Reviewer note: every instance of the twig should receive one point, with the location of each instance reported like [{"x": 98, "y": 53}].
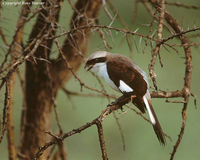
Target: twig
[
  {"x": 98, "y": 121},
  {"x": 17, "y": 38},
  {"x": 74, "y": 74},
  {"x": 99, "y": 26},
  {"x": 50, "y": 153},
  {"x": 101, "y": 84},
  {"x": 161, "y": 94},
  {"x": 188, "y": 71},
  {"x": 139, "y": 113},
  {"x": 179, "y": 34},
  {"x": 117, "y": 14},
  {"x": 31, "y": 45},
  {"x": 102, "y": 35},
  {"x": 135, "y": 13},
  {"x": 120, "y": 130},
  {"x": 167, "y": 94},
  {"x": 126, "y": 32},
  {"x": 3, "y": 37},
  {"x": 195, "y": 99},
  {"x": 18, "y": 63},
  {"x": 151, "y": 13},
  {"x": 82, "y": 94},
  {"x": 101, "y": 139},
  {"x": 5, "y": 111},
  {"x": 168, "y": 101},
  {"x": 157, "y": 48},
  {"x": 106, "y": 10},
  {"x": 73, "y": 7},
  {"x": 150, "y": 31},
  {"x": 178, "y": 4},
  {"x": 124, "y": 25}
]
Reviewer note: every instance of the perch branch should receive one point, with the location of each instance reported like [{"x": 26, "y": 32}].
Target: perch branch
[{"x": 98, "y": 122}]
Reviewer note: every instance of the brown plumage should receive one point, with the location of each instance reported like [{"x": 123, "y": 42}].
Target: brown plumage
[{"x": 121, "y": 68}]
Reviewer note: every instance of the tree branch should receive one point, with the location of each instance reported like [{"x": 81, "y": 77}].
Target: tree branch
[
  {"x": 157, "y": 48},
  {"x": 188, "y": 70},
  {"x": 97, "y": 121}
]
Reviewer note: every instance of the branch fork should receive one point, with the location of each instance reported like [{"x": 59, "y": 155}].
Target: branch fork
[{"x": 117, "y": 104}]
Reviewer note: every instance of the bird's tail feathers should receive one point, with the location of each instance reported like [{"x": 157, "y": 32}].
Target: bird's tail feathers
[{"x": 154, "y": 120}]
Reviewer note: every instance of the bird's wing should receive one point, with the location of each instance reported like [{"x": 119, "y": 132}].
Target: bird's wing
[{"x": 123, "y": 69}]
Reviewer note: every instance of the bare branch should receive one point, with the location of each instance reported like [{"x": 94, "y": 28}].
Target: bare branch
[
  {"x": 188, "y": 71},
  {"x": 120, "y": 130},
  {"x": 167, "y": 94},
  {"x": 5, "y": 111},
  {"x": 106, "y": 10},
  {"x": 98, "y": 121},
  {"x": 178, "y": 4},
  {"x": 157, "y": 49},
  {"x": 101, "y": 139}
]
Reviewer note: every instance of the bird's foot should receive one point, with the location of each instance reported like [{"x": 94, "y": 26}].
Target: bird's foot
[
  {"x": 132, "y": 97},
  {"x": 122, "y": 108},
  {"x": 111, "y": 104}
]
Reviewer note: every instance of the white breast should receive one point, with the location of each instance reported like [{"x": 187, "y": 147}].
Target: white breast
[{"x": 101, "y": 69}]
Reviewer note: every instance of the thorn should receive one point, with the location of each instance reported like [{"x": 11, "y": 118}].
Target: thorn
[
  {"x": 136, "y": 30},
  {"x": 112, "y": 20},
  {"x": 194, "y": 25},
  {"x": 140, "y": 41},
  {"x": 198, "y": 39},
  {"x": 188, "y": 26}
]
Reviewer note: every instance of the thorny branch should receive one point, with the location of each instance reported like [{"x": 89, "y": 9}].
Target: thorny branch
[
  {"x": 5, "y": 111},
  {"x": 97, "y": 121},
  {"x": 178, "y": 4},
  {"x": 18, "y": 63},
  {"x": 126, "y": 32},
  {"x": 157, "y": 48},
  {"x": 74, "y": 74},
  {"x": 188, "y": 70}
]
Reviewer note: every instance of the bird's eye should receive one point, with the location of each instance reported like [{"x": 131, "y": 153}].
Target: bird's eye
[{"x": 96, "y": 60}]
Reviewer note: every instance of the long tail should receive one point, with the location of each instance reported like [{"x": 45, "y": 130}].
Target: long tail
[{"x": 154, "y": 120}]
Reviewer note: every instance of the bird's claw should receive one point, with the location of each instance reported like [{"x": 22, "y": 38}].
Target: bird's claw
[
  {"x": 111, "y": 104},
  {"x": 122, "y": 109}
]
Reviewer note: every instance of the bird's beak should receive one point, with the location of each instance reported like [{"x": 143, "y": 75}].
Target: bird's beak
[{"x": 88, "y": 66}]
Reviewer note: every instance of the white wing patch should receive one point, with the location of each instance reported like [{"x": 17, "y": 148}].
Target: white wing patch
[
  {"x": 124, "y": 87},
  {"x": 149, "y": 110}
]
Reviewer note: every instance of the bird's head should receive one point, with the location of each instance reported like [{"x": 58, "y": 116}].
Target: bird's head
[{"x": 96, "y": 60}]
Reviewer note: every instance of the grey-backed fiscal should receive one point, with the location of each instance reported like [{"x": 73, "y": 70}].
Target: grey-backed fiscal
[{"x": 123, "y": 75}]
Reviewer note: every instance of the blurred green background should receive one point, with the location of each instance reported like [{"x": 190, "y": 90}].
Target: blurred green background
[{"x": 140, "y": 140}]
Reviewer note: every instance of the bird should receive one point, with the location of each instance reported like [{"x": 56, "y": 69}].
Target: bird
[{"x": 125, "y": 76}]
